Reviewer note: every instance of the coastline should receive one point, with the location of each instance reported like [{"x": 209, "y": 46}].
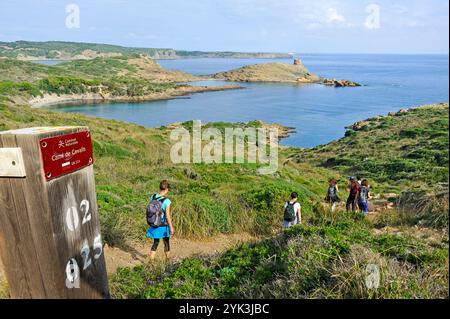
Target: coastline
[{"x": 49, "y": 100}]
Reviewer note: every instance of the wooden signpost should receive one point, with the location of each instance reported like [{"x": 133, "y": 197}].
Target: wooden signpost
[{"x": 50, "y": 240}]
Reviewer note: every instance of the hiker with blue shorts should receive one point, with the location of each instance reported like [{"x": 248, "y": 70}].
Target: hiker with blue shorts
[
  {"x": 159, "y": 220},
  {"x": 363, "y": 197}
]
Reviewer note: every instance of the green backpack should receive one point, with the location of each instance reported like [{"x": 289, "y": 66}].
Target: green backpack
[{"x": 289, "y": 212}]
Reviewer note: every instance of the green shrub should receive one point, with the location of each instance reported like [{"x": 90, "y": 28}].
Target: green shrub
[{"x": 18, "y": 88}]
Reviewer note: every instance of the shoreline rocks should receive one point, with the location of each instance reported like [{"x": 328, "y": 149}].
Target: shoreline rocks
[{"x": 340, "y": 83}]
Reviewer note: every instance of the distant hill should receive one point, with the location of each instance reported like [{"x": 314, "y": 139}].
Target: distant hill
[
  {"x": 27, "y": 50},
  {"x": 140, "y": 67}
]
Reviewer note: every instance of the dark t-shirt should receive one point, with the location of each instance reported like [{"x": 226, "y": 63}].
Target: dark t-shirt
[{"x": 354, "y": 190}]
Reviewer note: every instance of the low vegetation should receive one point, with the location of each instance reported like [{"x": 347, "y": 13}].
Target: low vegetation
[
  {"x": 72, "y": 85},
  {"x": 131, "y": 160},
  {"x": 404, "y": 150},
  {"x": 405, "y": 153},
  {"x": 102, "y": 68},
  {"x": 325, "y": 258}
]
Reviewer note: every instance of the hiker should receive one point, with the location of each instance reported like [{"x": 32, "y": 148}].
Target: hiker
[
  {"x": 358, "y": 178},
  {"x": 292, "y": 212},
  {"x": 364, "y": 196},
  {"x": 159, "y": 219},
  {"x": 353, "y": 192},
  {"x": 332, "y": 194}
]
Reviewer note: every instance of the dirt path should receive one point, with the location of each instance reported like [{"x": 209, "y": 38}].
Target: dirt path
[{"x": 180, "y": 249}]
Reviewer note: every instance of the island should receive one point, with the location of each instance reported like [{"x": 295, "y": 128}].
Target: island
[{"x": 280, "y": 72}]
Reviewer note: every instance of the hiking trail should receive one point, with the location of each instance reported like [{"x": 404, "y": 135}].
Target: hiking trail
[{"x": 180, "y": 249}]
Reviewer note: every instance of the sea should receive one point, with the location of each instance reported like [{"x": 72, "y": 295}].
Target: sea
[{"x": 319, "y": 114}]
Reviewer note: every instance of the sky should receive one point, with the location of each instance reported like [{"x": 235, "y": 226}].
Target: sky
[{"x": 301, "y": 26}]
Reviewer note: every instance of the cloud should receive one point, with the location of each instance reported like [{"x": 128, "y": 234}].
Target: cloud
[{"x": 333, "y": 16}]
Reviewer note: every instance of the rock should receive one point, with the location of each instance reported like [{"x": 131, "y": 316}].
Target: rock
[
  {"x": 361, "y": 125},
  {"x": 390, "y": 196},
  {"x": 303, "y": 80},
  {"x": 340, "y": 83},
  {"x": 298, "y": 62},
  {"x": 392, "y": 114},
  {"x": 358, "y": 126}
]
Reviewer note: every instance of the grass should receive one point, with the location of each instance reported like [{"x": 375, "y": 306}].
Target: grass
[
  {"x": 321, "y": 259},
  {"x": 4, "y": 290},
  {"x": 73, "y": 85},
  {"x": 325, "y": 258},
  {"x": 403, "y": 151},
  {"x": 209, "y": 199},
  {"x": 124, "y": 68}
]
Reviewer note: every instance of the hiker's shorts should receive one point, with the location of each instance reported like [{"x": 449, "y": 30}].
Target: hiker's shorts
[
  {"x": 364, "y": 207},
  {"x": 287, "y": 224}
]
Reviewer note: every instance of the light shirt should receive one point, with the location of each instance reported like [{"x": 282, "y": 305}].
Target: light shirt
[{"x": 297, "y": 207}]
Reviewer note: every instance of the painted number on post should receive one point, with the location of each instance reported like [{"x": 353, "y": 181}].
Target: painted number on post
[{"x": 72, "y": 219}]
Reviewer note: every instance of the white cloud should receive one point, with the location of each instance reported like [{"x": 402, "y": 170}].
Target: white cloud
[
  {"x": 322, "y": 14},
  {"x": 333, "y": 16}
]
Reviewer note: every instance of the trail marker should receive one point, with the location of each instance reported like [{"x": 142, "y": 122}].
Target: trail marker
[{"x": 50, "y": 240}]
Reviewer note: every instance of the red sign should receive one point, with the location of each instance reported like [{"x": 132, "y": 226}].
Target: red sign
[{"x": 66, "y": 153}]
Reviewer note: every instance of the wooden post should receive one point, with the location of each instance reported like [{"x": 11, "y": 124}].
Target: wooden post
[{"x": 50, "y": 241}]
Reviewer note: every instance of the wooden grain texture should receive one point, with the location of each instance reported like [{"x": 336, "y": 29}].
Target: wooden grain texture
[
  {"x": 11, "y": 162},
  {"x": 11, "y": 249},
  {"x": 35, "y": 241}
]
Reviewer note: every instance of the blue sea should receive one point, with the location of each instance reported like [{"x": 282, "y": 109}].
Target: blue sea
[{"x": 318, "y": 113}]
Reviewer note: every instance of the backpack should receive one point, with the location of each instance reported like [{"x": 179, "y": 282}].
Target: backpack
[
  {"x": 289, "y": 212},
  {"x": 155, "y": 213},
  {"x": 331, "y": 193},
  {"x": 363, "y": 194}
]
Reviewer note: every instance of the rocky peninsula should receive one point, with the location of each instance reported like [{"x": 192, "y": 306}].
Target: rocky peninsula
[{"x": 280, "y": 72}]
